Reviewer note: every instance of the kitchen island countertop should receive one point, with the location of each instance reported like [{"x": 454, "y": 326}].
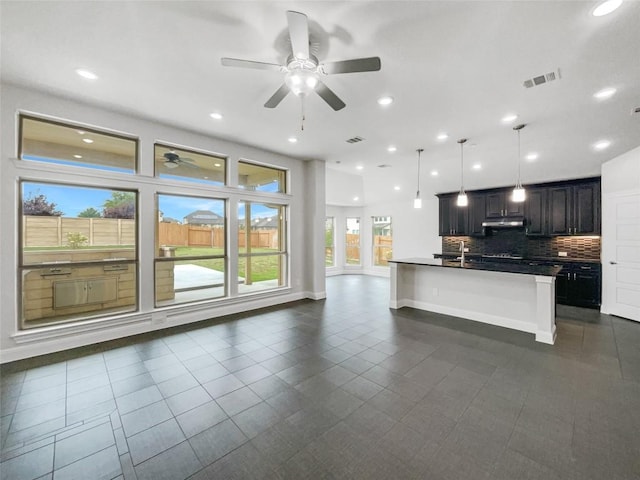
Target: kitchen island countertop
[{"x": 549, "y": 271}]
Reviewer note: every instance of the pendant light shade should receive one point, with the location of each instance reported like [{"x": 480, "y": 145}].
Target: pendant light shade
[
  {"x": 519, "y": 194},
  {"x": 417, "y": 202},
  {"x": 462, "y": 196}
]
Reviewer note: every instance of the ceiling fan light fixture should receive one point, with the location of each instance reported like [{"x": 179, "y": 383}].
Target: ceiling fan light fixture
[
  {"x": 301, "y": 81},
  {"x": 170, "y": 165}
]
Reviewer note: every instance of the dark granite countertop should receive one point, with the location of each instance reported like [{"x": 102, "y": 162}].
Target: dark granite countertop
[
  {"x": 524, "y": 259},
  {"x": 548, "y": 271}
]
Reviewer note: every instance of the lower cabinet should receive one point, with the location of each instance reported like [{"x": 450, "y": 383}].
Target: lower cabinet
[{"x": 578, "y": 284}]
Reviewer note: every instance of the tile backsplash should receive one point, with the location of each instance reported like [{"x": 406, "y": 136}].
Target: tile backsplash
[{"x": 515, "y": 242}]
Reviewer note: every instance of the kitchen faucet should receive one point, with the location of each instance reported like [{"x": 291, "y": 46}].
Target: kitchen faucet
[{"x": 462, "y": 250}]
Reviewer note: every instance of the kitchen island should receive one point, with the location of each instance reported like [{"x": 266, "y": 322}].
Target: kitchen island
[{"x": 521, "y": 297}]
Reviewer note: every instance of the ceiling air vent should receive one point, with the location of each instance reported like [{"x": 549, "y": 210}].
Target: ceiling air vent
[
  {"x": 355, "y": 140},
  {"x": 636, "y": 110},
  {"x": 540, "y": 79}
]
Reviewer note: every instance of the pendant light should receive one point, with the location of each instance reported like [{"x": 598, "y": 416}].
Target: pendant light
[
  {"x": 417, "y": 202},
  {"x": 462, "y": 196},
  {"x": 518, "y": 192}
]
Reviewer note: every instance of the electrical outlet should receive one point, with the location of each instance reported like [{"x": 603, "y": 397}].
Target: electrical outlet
[{"x": 562, "y": 254}]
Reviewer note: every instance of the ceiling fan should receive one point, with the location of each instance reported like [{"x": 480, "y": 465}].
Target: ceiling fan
[
  {"x": 173, "y": 160},
  {"x": 302, "y": 69}
]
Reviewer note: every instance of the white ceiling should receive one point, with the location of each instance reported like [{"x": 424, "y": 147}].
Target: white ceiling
[{"x": 455, "y": 67}]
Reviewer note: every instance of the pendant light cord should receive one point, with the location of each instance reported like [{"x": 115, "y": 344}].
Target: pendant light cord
[
  {"x": 519, "y": 183},
  {"x": 420, "y": 150},
  {"x": 461, "y": 142}
]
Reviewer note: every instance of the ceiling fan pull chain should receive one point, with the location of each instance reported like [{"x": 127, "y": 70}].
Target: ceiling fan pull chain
[{"x": 302, "y": 119}]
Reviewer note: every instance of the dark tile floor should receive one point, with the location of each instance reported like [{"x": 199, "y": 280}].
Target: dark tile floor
[{"x": 342, "y": 388}]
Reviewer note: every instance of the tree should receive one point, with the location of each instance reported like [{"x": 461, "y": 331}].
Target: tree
[
  {"x": 39, "y": 205},
  {"x": 120, "y": 205},
  {"x": 89, "y": 213}
]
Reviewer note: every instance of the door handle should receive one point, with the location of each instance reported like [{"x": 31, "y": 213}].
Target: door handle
[{"x": 612, "y": 262}]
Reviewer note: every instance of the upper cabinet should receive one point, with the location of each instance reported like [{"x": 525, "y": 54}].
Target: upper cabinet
[
  {"x": 575, "y": 209},
  {"x": 453, "y": 219},
  {"x": 535, "y": 212},
  {"x": 477, "y": 212},
  {"x": 499, "y": 205},
  {"x": 558, "y": 208}
]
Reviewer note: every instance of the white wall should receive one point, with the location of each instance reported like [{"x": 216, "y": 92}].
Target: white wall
[
  {"x": 620, "y": 176},
  {"x": 306, "y": 223},
  {"x": 343, "y": 187}
]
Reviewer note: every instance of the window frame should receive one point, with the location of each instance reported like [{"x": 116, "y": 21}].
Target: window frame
[
  {"x": 347, "y": 244},
  {"x": 160, "y": 259},
  {"x": 285, "y": 174},
  {"x": 75, "y": 125},
  {"x": 196, "y": 151},
  {"x": 23, "y": 268}
]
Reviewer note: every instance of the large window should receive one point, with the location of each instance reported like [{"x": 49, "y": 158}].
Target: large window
[
  {"x": 382, "y": 241},
  {"x": 190, "y": 249},
  {"x": 352, "y": 241},
  {"x": 190, "y": 166},
  {"x": 329, "y": 242},
  {"x": 260, "y": 178},
  {"x": 78, "y": 255},
  {"x": 262, "y": 256},
  {"x": 52, "y": 142}
]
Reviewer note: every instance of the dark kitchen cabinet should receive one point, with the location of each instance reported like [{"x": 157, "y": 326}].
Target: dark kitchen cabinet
[
  {"x": 477, "y": 212},
  {"x": 579, "y": 284},
  {"x": 453, "y": 219},
  {"x": 535, "y": 212},
  {"x": 499, "y": 205},
  {"x": 575, "y": 209}
]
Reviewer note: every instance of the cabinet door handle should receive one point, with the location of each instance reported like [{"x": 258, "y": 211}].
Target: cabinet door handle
[{"x": 585, "y": 268}]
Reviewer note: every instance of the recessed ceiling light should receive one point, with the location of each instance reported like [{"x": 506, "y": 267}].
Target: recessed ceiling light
[
  {"x": 605, "y": 93},
  {"x": 397, "y": 187},
  {"x": 385, "y": 100},
  {"x": 476, "y": 166},
  {"x": 87, "y": 140},
  {"x": 442, "y": 136},
  {"x": 81, "y": 132},
  {"x": 605, "y": 8},
  {"x": 602, "y": 144},
  {"x": 509, "y": 118},
  {"x": 359, "y": 167},
  {"x": 391, "y": 149},
  {"x": 532, "y": 157},
  {"x": 292, "y": 139},
  {"x": 355, "y": 199},
  {"x": 77, "y": 156},
  {"x": 217, "y": 165},
  {"x": 86, "y": 74},
  {"x": 216, "y": 116},
  {"x": 434, "y": 173}
]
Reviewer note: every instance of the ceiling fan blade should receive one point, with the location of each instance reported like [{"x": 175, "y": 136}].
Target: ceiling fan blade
[
  {"x": 277, "y": 97},
  {"x": 236, "y": 62},
  {"x": 370, "y": 64},
  {"x": 328, "y": 96},
  {"x": 299, "y": 34}
]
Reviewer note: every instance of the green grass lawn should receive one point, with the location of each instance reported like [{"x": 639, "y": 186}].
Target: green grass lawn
[{"x": 263, "y": 268}]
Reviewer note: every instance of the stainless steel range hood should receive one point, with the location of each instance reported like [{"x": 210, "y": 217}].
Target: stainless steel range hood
[{"x": 513, "y": 222}]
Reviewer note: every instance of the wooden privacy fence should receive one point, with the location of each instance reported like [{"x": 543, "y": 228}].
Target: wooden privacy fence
[
  {"x": 43, "y": 231},
  {"x": 40, "y": 231},
  {"x": 382, "y": 245}
]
